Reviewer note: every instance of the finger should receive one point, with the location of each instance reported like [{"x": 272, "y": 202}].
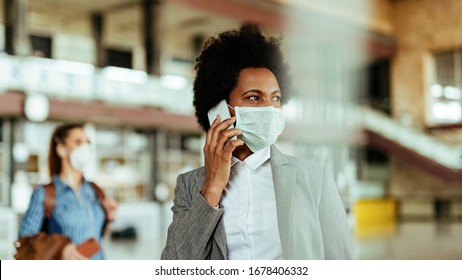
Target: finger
[
  {"x": 226, "y": 135},
  {"x": 215, "y": 130},
  {"x": 225, "y": 123},
  {"x": 231, "y": 146},
  {"x": 208, "y": 137},
  {"x": 110, "y": 203},
  {"x": 107, "y": 204},
  {"x": 77, "y": 255},
  {"x": 216, "y": 134}
]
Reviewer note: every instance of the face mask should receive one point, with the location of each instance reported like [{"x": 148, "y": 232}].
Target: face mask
[
  {"x": 260, "y": 126},
  {"x": 80, "y": 156}
]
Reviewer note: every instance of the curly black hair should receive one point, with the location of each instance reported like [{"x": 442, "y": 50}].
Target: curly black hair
[{"x": 225, "y": 56}]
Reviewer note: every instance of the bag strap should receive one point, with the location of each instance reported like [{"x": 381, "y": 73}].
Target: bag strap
[
  {"x": 48, "y": 205},
  {"x": 99, "y": 193},
  {"x": 50, "y": 201},
  {"x": 101, "y": 196}
]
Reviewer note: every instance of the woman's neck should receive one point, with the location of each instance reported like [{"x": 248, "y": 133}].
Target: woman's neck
[
  {"x": 71, "y": 176},
  {"x": 242, "y": 152}
]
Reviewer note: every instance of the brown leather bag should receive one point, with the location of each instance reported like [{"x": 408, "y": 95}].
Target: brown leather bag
[{"x": 43, "y": 246}]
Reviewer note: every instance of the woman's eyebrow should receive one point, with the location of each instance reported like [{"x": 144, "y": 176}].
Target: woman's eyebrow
[
  {"x": 252, "y": 90},
  {"x": 260, "y": 92}
]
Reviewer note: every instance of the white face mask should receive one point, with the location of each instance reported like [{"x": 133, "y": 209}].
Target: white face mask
[
  {"x": 80, "y": 156},
  {"x": 260, "y": 126}
]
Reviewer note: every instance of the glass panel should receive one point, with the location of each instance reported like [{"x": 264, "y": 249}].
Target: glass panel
[
  {"x": 446, "y": 92},
  {"x": 445, "y": 66}
]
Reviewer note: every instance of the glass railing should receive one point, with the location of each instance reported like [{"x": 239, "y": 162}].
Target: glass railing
[
  {"x": 83, "y": 81},
  {"x": 440, "y": 151}
]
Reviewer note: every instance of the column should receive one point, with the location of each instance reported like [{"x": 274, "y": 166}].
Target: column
[
  {"x": 16, "y": 36},
  {"x": 151, "y": 19},
  {"x": 97, "y": 25}
]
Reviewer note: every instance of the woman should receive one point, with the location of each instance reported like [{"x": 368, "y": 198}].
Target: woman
[
  {"x": 78, "y": 213},
  {"x": 251, "y": 201}
]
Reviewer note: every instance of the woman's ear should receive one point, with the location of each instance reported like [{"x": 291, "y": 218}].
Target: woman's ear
[{"x": 61, "y": 151}]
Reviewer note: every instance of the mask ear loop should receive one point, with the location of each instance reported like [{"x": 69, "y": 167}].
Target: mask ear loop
[{"x": 235, "y": 114}]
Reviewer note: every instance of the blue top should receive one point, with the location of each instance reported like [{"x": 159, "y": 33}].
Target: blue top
[{"x": 77, "y": 218}]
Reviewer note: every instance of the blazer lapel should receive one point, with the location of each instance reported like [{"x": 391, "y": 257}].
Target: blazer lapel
[{"x": 284, "y": 178}]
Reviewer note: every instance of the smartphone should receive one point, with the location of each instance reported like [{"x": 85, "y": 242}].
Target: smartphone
[
  {"x": 88, "y": 248},
  {"x": 222, "y": 110}
]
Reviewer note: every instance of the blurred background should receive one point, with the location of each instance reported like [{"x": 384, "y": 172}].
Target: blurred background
[{"x": 377, "y": 98}]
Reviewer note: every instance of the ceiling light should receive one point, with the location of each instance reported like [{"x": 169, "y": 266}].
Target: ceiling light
[{"x": 36, "y": 107}]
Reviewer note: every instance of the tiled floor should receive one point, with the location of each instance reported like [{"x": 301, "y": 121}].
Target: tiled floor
[
  {"x": 401, "y": 241},
  {"x": 410, "y": 240},
  {"x": 415, "y": 241},
  {"x": 150, "y": 221},
  {"x": 133, "y": 250}
]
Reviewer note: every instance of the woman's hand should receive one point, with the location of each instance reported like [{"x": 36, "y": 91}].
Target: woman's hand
[
  {"x": 70, "y": 253},
  {"x": 218, "y": 150},
  {"x": 110, "y": 205}
]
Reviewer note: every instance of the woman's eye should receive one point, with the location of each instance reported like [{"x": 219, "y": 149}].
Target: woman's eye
[
  {"x": 276, "y": 98},
  {"x": 253, "y": 98}
]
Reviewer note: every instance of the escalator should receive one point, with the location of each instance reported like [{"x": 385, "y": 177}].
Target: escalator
[
  {"x": 436, "y": 155},
  {"x": 421, "y": 180}
]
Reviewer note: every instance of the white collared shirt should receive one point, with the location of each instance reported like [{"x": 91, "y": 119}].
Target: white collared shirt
[{"x": 250, "y": 215}]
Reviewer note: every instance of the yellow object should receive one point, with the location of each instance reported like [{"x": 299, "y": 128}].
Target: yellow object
[{"x": 375, "y": 217}]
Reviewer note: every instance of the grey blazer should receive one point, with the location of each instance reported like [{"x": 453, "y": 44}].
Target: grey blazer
[{"x": 311, "y": 217}]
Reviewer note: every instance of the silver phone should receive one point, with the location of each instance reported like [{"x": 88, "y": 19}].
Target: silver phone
[{"x": 222, "y": 110}]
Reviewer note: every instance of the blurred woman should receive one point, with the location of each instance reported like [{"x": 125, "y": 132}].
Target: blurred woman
[{"x": 78, "y": 213}]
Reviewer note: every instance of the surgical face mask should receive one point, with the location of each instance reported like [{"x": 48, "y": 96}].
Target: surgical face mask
[
  {"x": 80, "y": 156},
  {"x": 260, "y": 126}
]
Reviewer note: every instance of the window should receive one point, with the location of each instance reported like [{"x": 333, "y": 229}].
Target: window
[
  {"x": 41, "y": 46},
  {"x": 118, "y": 58},
  {"x": 446, "y": 94}
]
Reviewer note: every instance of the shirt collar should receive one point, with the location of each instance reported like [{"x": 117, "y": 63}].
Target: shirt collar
[
  {"x": 255, "y": 160},
  {"x": 60, "y": 184}
]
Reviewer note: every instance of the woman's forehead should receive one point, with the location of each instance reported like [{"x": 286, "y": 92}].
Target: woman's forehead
[
  {"x": 77, "y": 133},
  {"x": 259, "y": 78}
]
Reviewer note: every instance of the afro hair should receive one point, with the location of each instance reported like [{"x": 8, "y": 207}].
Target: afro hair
[{"x": 225, "y": 56}]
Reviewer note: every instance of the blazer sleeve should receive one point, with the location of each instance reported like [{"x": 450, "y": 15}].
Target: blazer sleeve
[
  {"x": 33, "y": 218},
  {"x": 194, "y": 221},
  {"x": 334, "y": 226}
]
